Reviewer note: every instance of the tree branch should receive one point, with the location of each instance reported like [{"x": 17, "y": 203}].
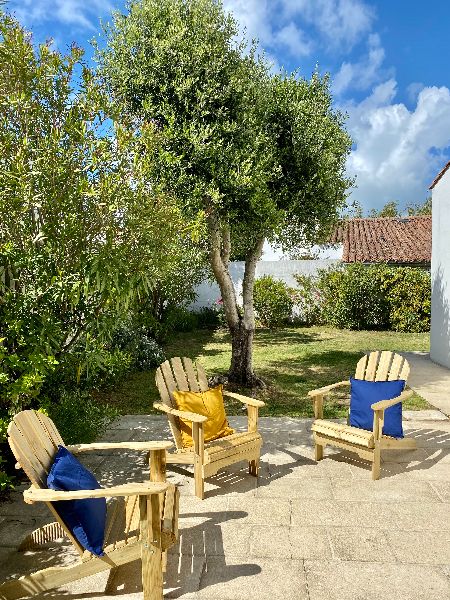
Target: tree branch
[
  {"x": 249, "y": 282},
  {"x": 220, "y": 270}
]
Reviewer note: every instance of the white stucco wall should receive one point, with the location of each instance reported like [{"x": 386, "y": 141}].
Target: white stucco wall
[
  {"x": 208, "y": 292},
  {"x": 440, "y": 273}
]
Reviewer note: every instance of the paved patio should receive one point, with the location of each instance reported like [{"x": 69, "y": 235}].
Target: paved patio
[
  {"x": 429, "y": 380},
  {"x": 304, "y": 531}
]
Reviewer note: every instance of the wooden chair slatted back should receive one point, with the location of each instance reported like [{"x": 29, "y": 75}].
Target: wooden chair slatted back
[
  {"x": 179, "y": 374},
  {"x": 382, "y": 366},
  {"x": 34, "y": 441}
]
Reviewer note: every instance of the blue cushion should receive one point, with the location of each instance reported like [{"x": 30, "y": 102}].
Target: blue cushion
[
  {"x": 364, "y": 393},
  {"x": 86, "y": 519}
]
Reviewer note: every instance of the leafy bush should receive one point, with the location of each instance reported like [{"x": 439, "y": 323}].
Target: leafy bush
[
  {"x": 273, "y": 302},
  {"x": 408, "y": 292},
  {"x": 143, "y": 350},
  {"x": 353, "y": 299},
  {"x": 211, "y": 317},
  {"x": 178, "y": 318},
  {"x": 307, "y": 300},
  {"x": 79, "y": 418},
  {"x": 369, "y": 297},
  {"x": 6, "y": 480}
]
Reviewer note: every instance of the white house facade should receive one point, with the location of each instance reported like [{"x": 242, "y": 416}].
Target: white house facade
[{"x": 440, "y": 269}]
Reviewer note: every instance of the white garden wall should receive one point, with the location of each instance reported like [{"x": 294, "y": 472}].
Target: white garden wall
[
  {"x": 208, "y": 293},
  {"x": 440, "y": 273}
]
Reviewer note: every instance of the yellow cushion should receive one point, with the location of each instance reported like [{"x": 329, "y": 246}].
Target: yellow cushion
[{"x": 208, "y": 404}]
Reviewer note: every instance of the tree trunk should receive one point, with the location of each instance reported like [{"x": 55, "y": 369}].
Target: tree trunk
[{"x": 240, "y": 323}]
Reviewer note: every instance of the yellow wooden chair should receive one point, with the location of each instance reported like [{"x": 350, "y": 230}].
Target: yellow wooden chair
[
  {"x": 207, "y": 458},
  {"x": 142, "y": 523},
  {"x": 376, "y": 366}
]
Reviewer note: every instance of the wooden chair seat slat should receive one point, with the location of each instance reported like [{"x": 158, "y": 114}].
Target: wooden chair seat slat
[{"x": 344, "y": 432}]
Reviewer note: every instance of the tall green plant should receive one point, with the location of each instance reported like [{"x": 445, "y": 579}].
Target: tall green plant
[
  {"x": 255, "y": 155},
  {"x": 82, "y": 232}
]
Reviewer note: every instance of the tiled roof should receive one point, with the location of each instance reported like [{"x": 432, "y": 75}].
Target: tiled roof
[
  {"x": 386, "y": 239},
  {"x": 439, "y": 175}
]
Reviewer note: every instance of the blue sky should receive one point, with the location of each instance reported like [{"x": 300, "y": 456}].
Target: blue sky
[{"x": 387, "y": 61}]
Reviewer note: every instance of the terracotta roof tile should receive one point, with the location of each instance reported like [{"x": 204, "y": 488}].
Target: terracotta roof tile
[{"x": 386, "y": 239}]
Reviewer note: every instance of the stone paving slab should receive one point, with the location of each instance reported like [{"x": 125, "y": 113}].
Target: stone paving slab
[
  {"x": 303, "y": 531},
  {"x": 429, "y": 380}
]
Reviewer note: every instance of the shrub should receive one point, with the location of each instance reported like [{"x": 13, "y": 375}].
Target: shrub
[
  {"x": 211, "y": 317},
  {"x": 143, "y": 350},
  {"x": 307, "y": 300},
  {"x": 6, "y": 480},
  {"x": 352, "y": 298},
  {"x": 178, "y": 318},
  {"x": 369, "y": 297},
  {"x": 79, "y": 418},
  {"x": 273, "y": 302},
  {"x": 89, "y": 365},
  {"x": 408, "y": 291}
]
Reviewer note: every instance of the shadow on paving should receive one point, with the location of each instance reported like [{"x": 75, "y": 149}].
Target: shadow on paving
[{"x": 287, "y": 441}]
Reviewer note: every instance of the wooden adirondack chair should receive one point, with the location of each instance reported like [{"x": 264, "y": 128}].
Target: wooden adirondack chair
[
  {"x": 207, "y": 458},
  {"x": 376, "y": 366},
  {"x": 142, "y": 523}
]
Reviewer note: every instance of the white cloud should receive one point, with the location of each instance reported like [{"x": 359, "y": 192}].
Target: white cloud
[
  {"x": 398, "y": 151},
  {"x": 294, "y": 39},
  {"x": 278, "y": 23},
  {"x": 342, "y": 22},
  {"x": 364, "y": 73},
  {"x": 79, "y": 13}
]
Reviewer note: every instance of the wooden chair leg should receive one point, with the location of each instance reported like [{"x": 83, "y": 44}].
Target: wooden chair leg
[
  {"x": 199, "y": 452},
  {"x": 318, "y": 452},
  {"x": 253, "y": 467},
  {"x": 376, "y": 465},
  {"x": 199, "y": 481},
  {"x": 150, "y": 521}
]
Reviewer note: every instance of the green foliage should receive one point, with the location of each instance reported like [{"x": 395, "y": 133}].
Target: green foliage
[
  {"x": 211, "y": 317},
  {"x": 178, "y": 318},
  {"x": 6, "y": 481},
  {"x": 143, "y": 350},
  {"x": 420, "y": 209},
  {"x": 80, "y": 419},
  {"x": 84, "y": 236},
  {"x": 273, "y": 302},
  {"x": 351, "y": 298},
  {"x": 307, "y": 300},
  {"x": 247, "y": 154},
  {"x": 408, "y": 293},
  {"x": 390, "y": 209},
  {"x": 371, "y": 297}
]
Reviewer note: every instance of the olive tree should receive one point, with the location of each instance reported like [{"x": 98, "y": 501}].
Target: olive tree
[{"x": 252, "y": 155}]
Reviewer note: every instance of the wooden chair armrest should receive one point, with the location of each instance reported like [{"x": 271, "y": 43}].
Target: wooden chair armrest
[
  {"x": 327, "y": 388},
  {"x": 383, "y": 404},
  {"x": 245, "y": 399},
  {"x": 189, "y": 416},
  {"x": 144, "y": 446},
  {"x": 34, "y": 494}
]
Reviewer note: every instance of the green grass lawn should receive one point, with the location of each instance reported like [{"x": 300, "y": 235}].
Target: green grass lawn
[{"x": 291, "y": 361}]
